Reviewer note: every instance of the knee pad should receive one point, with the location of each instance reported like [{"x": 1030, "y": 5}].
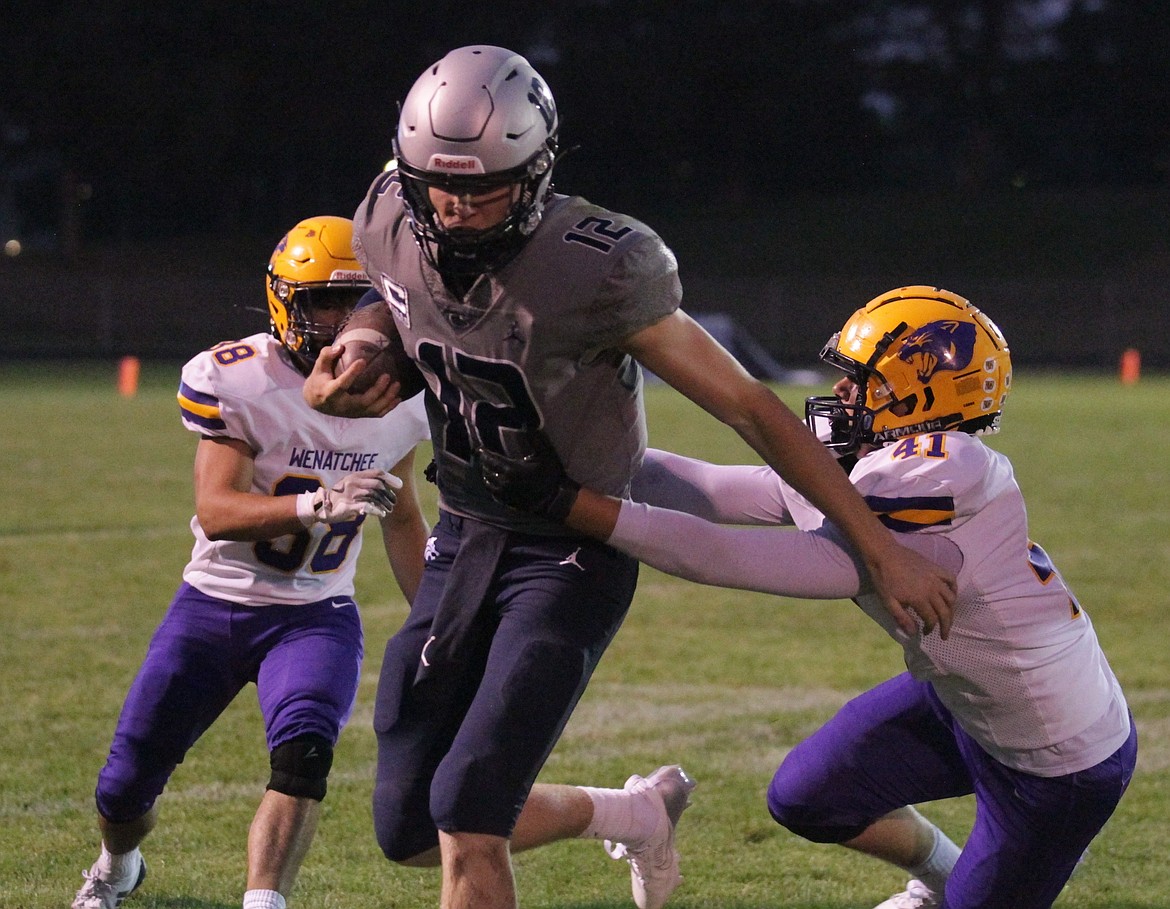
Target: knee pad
[
  {"x": 402, "y": 820},
  {"x": 301, "y": 766}
]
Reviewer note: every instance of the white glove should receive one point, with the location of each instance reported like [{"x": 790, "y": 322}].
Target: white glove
[{"x": 364, "y": 492}]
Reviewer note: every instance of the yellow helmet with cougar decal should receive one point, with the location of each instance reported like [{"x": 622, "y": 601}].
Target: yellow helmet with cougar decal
[
  {"x": 924, "y": 359},
  {"x": 313, "y": 269}
]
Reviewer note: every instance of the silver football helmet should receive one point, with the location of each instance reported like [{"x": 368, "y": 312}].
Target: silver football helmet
[{"x": 478, "y": 119}]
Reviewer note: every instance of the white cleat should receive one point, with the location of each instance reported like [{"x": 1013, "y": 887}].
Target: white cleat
[
  {"x": 653, "y": 862},
  {"x": 916, "y": 896},
  {"x": 99, "y": 894}
]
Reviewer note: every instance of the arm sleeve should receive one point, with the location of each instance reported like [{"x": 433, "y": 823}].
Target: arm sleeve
[
  {"x": 807, "y": 564},
  {"x": 725, "y": 494}
]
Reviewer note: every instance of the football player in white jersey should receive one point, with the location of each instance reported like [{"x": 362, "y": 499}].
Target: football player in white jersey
[
  {"x": 281, "y": 493},
  {"x": 1018, "y": 705},
  {"x": 525, "y": 310}
]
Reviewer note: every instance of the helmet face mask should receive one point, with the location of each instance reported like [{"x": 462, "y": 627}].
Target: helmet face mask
[
  {"x": 478, "y": 120},
  {"x": 923, "y": 360},
  {"x": 313, "y": 283},
  {"x": 848, "y": 419}
]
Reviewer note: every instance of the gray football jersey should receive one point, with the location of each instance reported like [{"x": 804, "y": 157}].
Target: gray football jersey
[{"x": 532, "y": 346}]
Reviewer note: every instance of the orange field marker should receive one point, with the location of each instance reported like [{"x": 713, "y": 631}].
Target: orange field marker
[
  {"x": 1131, "y": 366},
  {"x": 128, "y": 368}
]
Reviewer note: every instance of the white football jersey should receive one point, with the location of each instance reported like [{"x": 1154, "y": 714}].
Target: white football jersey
[
  {"x": 248, "y": 390},
  {"x": 1021, "y": 670}
]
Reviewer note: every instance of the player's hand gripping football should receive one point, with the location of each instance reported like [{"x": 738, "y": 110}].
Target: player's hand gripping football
[
  {"x": 533, "y": 480},
  {"x": 329, "y": 394},
  {"x": 364, "y": 492}
]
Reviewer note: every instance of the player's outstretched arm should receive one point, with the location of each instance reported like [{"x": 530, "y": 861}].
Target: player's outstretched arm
[
  {"x": 810, "y": 564},
  {"x": 681, "y": 352},
  {"x": 329, "y": 394}
]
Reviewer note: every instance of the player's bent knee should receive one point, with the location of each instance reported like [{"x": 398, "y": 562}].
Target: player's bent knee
[
  {"x": 430, "y": 858},
  {"x": 818, "y": 834},
  {"x": 123, "y": 811},
  {"x": 413, "y": 843},
  {"x": 811, "y": 822},
  {"x": 300, "y": 767},
  {"x": 408, "y": 849},
  {"x": 124, "y": 798},
  {"x": 402, "y": 824}
]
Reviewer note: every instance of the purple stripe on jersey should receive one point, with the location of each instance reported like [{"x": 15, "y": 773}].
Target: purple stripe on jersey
[
  {"x": 205, "y": 422},
  {"x": 197, "y": 397},
  {"x": 199, "y": 401}
]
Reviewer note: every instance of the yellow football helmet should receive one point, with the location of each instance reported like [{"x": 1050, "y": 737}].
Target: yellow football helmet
[
  {"x": 313, "y": 270},
  {"x": 924, "y": 360}
]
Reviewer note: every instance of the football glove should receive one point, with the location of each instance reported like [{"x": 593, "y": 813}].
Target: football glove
[
  {"x": 364, "y": 492},
  {"x": 534, "y": 482}
]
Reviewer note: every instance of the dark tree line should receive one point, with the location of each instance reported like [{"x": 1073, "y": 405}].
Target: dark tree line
[{"x": 168, "y": 119}]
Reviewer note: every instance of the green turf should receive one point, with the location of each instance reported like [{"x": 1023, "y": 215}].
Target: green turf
[{"x": 93, "y": 535}]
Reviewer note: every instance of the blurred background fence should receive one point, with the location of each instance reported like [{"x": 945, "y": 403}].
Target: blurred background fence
[{"x": 1073, "y": 279}]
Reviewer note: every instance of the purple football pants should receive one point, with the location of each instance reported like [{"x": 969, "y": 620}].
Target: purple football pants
[
  {"x": 460, "y": 752},
  {"x": 304, "y": 660},
  {"x": 897, "y": 745}
]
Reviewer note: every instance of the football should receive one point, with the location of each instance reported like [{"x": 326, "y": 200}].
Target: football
[{"x": 370, "y": 334}]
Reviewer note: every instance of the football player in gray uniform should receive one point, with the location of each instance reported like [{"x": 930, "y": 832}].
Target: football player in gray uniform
[{"x": 530, "y": 310}]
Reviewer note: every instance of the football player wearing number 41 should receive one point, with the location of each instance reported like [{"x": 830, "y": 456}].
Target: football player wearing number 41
[
  {"x": 1018, "y": 706},
  {"x": 527, "y": 310},
  {"x": 281, "y": 494}
]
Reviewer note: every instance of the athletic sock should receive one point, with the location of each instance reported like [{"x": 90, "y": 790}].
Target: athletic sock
[
  {"x": 937, "y": 867},
  {"x": 120, "y": 871},
  {"x": 620, "y": 815},
  {"x": 263, "y": 899}
]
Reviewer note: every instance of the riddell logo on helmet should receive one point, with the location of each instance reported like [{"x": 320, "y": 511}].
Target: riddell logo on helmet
[{"x": 456, "y": 164}]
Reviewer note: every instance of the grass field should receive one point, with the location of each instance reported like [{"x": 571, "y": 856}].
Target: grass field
[{"x": 93, "y": 536}]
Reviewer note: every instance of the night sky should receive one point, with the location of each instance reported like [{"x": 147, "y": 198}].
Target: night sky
[{"x": 168, "y": 119}]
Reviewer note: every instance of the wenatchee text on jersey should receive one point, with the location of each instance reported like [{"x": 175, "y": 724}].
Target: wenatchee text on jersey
[{"x": 346, "y": 461}]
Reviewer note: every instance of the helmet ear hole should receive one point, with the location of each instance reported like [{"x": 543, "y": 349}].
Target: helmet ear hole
[{"x": 904, "y": 407}]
